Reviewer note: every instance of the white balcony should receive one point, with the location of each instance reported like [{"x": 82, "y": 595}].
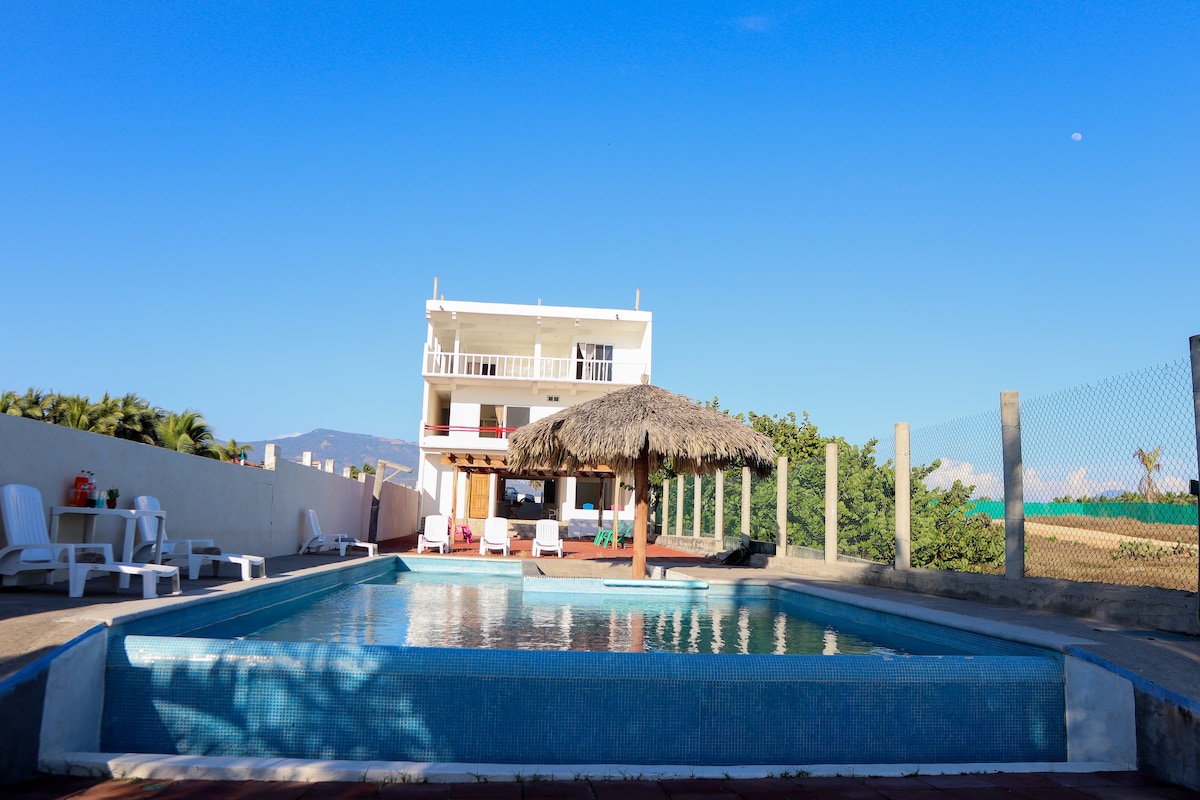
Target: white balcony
[{"x": 530, "y": 368}]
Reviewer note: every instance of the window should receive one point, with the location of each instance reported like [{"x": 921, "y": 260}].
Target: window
[
  {"x": 489, "y": 422},
  {"x": 516, "y": 416},
  {"x": 592, "y": 491},
  {"x": 593, "y": 362}
]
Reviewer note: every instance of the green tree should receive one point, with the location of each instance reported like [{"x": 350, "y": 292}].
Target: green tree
[
  {"x": 34, "y": 404},
  {"x": 75, "y": 411},
  {"x": 233, "y": 450},
  {"x": 367, "y": 469},
  {"x": 943, "y": 535},
  {"x": 187, "y": 432},
  {"x": 137, "y": 420}
]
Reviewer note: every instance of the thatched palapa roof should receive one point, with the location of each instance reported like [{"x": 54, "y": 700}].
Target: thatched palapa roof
[{"x": 641, "y": 421}]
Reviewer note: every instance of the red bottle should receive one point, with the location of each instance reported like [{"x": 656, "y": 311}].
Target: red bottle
[{"x": 80, "y": 492}]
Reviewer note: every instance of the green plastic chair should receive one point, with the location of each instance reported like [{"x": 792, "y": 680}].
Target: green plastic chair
[{"x": 604, "y": 536}]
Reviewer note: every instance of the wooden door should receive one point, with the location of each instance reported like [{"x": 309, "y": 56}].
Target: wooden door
[{"x": 480, "y": 485}]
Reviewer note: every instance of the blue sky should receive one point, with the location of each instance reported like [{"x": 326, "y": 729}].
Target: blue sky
[{"x": 873, "y": 212}]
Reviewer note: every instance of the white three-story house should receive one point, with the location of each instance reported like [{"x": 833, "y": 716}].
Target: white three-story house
[{"x": 490, "y": 368}]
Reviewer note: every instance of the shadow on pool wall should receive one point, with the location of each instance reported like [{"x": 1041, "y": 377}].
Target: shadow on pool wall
[{"x": 319, "y": 701}]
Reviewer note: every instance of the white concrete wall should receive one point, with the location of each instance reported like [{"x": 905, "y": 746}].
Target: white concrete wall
[{"x": 243, "y": 509}]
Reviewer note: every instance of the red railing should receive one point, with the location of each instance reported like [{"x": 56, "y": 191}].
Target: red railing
[{"x": 446, "y": 430}]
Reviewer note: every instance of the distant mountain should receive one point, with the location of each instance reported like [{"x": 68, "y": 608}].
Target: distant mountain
[{"x": 346, "y": 449}]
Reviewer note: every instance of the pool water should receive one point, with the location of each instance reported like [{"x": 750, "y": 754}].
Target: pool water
[{"x": 471, "y": 611}]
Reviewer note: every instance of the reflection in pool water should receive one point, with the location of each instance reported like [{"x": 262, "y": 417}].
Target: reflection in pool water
[{"x": 464, "y": 611}]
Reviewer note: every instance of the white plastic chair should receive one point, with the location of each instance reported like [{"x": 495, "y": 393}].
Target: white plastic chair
[
  {"x": 318, "y": 541},
  {"x": 194, "y": 552},
  {"x": 495, "y": 535},
  {"x": 546, "y": 538},
  {"x": 435, "y": 535},
  {"x": 30, "y": 550}
]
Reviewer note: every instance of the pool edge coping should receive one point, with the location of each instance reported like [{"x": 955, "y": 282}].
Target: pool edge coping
[{"x": 149, "y": 766}]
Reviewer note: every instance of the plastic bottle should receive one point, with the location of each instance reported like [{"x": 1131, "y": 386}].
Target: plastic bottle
[{"x": 79, "y": 492}]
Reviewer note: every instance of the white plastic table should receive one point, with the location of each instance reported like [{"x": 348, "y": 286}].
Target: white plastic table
[{"x": 130, "y": 515}]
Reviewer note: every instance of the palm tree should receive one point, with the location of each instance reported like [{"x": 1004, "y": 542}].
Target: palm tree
[
  {"x": 35, "y": 404},
  {"x": 1149, "y": 462},
  {"x": 187, "y": 433},
  {"x": 233, "y": 451},
  {"x": 137, "y": 420},
  {"x": 75, "y": 411},
  {"x": 367, "y": 468}
]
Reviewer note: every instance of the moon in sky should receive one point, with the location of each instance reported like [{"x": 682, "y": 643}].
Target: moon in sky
[{"x": 1077, "y": 136}]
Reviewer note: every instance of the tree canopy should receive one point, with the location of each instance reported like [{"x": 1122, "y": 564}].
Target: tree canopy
[
  {"x": 942, "y": 535},
  {"x": 129, "y": 417}
]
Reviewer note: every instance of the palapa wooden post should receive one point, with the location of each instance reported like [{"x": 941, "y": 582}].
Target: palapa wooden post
[
  {"x": 641, "y": 481},
  {"x": 453, "y": 504}
]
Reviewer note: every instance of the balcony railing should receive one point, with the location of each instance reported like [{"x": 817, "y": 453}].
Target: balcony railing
[
  {"x": 484, "y": 432},
  {"x": 531, "y": 368}
]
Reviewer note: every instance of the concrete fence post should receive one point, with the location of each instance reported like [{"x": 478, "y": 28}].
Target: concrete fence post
[
  {"x": 666, "y": 507},
  {"x": 1194, "y": 346},
  {"x": 679, "y": 506},
  {"x": 781, "y": 520},
  {"x": 831, "y": 502},
  {"x": 719, "y": 509},
  {"x": 903, "y": 498},
  {"x": 746, "y": 502},
  {"x": 1014, "y": 486}
]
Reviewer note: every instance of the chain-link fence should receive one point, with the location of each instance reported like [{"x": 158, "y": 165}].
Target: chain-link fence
[{"x": 1106, "y": 469}]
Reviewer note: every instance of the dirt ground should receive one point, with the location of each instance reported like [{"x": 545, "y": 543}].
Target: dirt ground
[{"x": 1162, "y": 566}]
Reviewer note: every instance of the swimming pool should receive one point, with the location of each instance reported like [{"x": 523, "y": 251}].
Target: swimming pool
[
  {"x": 503, "y": 612},
  {"x": 167, "y": 693}
]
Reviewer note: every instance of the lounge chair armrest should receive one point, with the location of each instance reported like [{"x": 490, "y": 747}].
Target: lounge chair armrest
[{"x": 60, "y": 549}]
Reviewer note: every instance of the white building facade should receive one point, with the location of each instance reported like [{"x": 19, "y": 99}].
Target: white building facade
[{"x": 490, "y": 368}]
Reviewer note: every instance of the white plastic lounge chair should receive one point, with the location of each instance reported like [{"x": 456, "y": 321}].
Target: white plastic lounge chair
[
  {"x": 546, "y": 538},
  {"x": 30, "y": 550},
  {"x": 495, "y": 535},
  {"x": 194, "y": 552},
  {"x": 318, "y": 541},
  {"x": 435, "y": 535}
]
